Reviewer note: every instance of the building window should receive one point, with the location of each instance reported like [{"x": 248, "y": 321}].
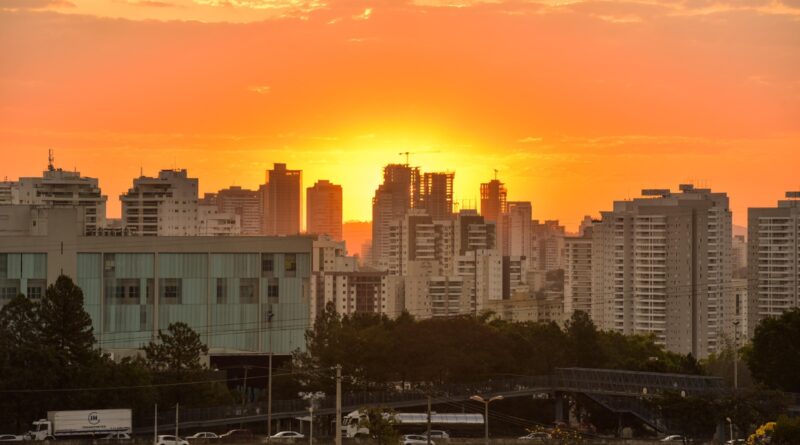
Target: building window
[
  {"x": 222, "y": 290},
  {"x": 34, "y": 292},
  {"x": 3, "y": 266},
  {"x": 290, "y": 265},
  {"x": 267, "y": 265},
  {"x": 248, "y": 290},
  {"x": 8, "y": 289},
  {"x": 171, "y": 290},
  {"x": 272, "y": 288}
]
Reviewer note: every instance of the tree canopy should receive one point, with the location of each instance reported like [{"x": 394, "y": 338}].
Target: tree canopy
[{"x": 774, "y": 355}]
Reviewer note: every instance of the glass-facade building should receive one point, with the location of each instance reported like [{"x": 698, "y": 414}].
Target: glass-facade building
[{"x": 241, "y": 294}]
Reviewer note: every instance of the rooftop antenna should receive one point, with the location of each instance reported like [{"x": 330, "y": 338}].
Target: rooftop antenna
[
  {"x": 495, "y": 174},
  {"x": 50, "y": 160}
]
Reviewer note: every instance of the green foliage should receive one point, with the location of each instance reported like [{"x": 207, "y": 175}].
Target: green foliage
[
  {"x": 66, "y": 326},
  {"x": 380, "y": 353},
  {"x": 180, "y": 349},
  {"x": 787, "y": 431},
  {"x": 774, "y": 358},
  {"x": 381, "y": 424},
  {"x": 48, "y": 346},
  {"x": 692, "y": 416}
]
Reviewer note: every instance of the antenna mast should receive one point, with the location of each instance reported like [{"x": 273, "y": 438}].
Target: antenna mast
[{"x": 50, "y": 160}]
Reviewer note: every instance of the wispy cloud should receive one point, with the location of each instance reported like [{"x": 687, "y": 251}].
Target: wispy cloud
[
  {"x": 530, "y": 140},
  {"x": 35, "y": 4},
  {"x": 364, "y": 15},
  {"x": 260, "y": 89}
]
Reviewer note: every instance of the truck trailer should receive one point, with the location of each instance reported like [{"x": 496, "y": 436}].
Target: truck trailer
[{"x": 64, "y": 424}]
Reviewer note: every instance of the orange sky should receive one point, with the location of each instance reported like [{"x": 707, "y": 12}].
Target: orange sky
[{"x": 576, "y": 103}]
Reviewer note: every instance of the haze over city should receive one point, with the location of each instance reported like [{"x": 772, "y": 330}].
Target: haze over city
[
  {"x": 406, "y": 222},
  {"x": 575, "y": 103}
]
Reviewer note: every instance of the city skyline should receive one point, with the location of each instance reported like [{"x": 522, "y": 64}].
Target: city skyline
[
  {"x": 113, "y": 206},
  {"x": 575, "y": 103}
]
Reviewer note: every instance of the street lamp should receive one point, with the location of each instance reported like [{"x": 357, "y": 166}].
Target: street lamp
[
  {"x": 730, "y": 424},
  {"x": 486, "y": 403}
]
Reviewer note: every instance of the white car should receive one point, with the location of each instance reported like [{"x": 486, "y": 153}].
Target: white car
[
  {"x": 117, "y": 436},
  {"x": 171, "y": 440},
  {"x": 673, "y": 438},
  {"x": 10, "y": 438},
  {"x": 437, "y": 434},
  {"x": 287, "y": 435},
  {"x": 536, "y": 436},
  {"x": 415, "y": 439},
  {"x": 203, "y": 435}
]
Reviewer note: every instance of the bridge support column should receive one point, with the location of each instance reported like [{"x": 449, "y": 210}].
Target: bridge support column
[{"x": 559, "y": 398}]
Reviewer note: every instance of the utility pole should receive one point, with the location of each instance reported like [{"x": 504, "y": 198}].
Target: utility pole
[
  {"x": 429, "y": 419},
  {"x": 311, "y": 423},
  {"x": 155, "y": 425},
  {"x": 736, "y": 354},
  {"x": 269, "y": 378},
  {"x": 244, "y": 389},
  {"x": 177, "y": 412},
  {"x": 338, "y": 405}
]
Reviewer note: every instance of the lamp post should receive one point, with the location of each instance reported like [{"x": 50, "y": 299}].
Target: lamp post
[
  {"x": 269, "y": 377},
  {"x": 486, "y": 403},
  {"x": 730, "y": 425}
]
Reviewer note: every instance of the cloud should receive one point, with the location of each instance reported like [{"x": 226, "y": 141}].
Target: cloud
[
  {"x": 35, "y": 4},
  {"x": 530, "y": 140},
  {"x": 152, "y": 4},
  {"x": 364, "y": 15},
  {"x": 260, "y": 89},
  {"x": 288, "y": 5}
]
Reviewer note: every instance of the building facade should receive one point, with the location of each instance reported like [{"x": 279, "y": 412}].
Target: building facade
[
  {"x": 283, "y": 201},
  {"x": 661, "y": 265},
  {"x": 773, "y": 259},
  {"x": 324, "y": 209},
  {"x": 243, "y": 295},
  {"x": 578, "y": 273}
]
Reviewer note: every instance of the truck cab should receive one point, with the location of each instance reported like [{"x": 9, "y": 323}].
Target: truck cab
[{"x": 42, "y": 430}]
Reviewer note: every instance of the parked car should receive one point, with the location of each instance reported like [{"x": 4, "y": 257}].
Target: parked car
[
  {"x": 674, "y": 438},
  {"x": 203, "y": 435},
  {"x": 287, "y": 435},
  {"x": 736, "y": 442},
  {"x": 171, "y": 440},
  {"x": 538, "y": 436},
  {"x": 10, "y": 438},
  {"x": 436, "y": 434},
  {"x": 117, "y": 436},
  {"x": 415, "y": 439},
  {"x": 236, "y": 436}
]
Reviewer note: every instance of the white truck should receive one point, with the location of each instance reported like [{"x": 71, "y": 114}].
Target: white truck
[
  {"x": 64, "y": 424},
  {"x": 352, "y": 425}
]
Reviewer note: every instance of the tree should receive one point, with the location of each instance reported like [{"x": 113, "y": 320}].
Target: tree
[
  {"x": 787, "y": 431},
  {"x": 693, "y": 416},
  {"x": 178, "y": 350},
  {"x": 583, "y": 340},
  {"x": 774, "y": 356},
  {"x": 380, "y": 422},
  {"x": 65, "y": 324}
]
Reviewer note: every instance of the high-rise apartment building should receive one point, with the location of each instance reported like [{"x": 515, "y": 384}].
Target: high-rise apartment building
[
  {"x": 547, "y": 245},
  {"x": 739, "y": 256},
  {"x": 516, "y": 226},
  {"x": 169, "y": 205},
  {"x": 283, "y": 195},
  {"x": 59, "y": 188},
  {"x": 661, "y": 265},
  {"x": 773, "y": 260},
  {"x": 493, "y": 200},
  {"x": 399, "y": 192},
  {"x": 437, "y": 195},
  {"x": 166, "y": 205},
  {"x": 5, "y": 192},
  {"x": 324, "y": 209},
  {"x": 578, "y": 273},
  {"x": 244, "y": 203}
]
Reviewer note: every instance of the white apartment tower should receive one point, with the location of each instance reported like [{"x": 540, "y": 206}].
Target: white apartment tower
[
  {"x": 773, "y": 260},
  {"x": 661, "y": 265},
  {"x": 516, "y": 226},
  {"x": 578, "y": 273},
  {"x": 168, "y": 205},
  {"x": 59, "y": 188}
]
